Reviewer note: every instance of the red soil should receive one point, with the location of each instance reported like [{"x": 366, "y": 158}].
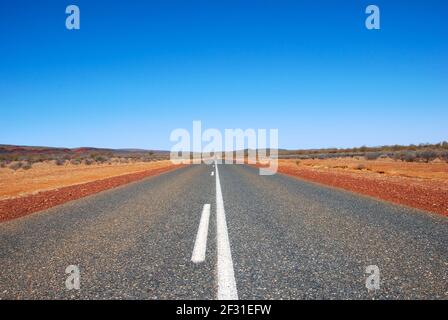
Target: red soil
[
  {"x": 428, "y": 195},
  {"x": 18, "y": 207}
]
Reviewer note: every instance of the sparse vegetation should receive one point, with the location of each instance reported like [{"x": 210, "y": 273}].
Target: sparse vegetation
[
  {"x": 26, "y": 165},
  {"x": 75, "y": 162},
  {"x": 88, "y": 162},
  {"x": 16, "y": 165},
  {"x": 46, "y": 176},
  {"x": 409, "y": 156},
  {"x": 372, "y": 155},
  {"x": 412, "y": 153},
  {"x": 444, "y": 156},
  {"x": 59, "y": 162},
  {"x": 60, "y": 156},
  {"x": 427, "y": 155},
  {"x": 101, "y": 159}
]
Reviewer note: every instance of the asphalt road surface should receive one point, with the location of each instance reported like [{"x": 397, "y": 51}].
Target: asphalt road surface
[{"x": 203, "y": 233}]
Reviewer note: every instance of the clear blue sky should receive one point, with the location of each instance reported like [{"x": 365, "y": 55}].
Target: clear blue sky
[{"x": 138, "y": 69}]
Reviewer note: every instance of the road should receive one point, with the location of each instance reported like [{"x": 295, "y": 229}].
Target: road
[{"x": 266, "y": 237}]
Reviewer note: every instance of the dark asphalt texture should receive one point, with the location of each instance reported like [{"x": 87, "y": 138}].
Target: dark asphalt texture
[{"x": 290, "y": 239}]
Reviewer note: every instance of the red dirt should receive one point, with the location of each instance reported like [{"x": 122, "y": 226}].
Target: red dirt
[
  {"x": 429, "y": 196},
  {"x": 18, "y": 207}
]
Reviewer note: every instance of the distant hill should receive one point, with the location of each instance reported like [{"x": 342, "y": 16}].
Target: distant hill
[{"x": 11, "y": 152}]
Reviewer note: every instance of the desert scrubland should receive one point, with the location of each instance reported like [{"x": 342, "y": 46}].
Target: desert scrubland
[
  {"x": 37, "y": 178},
  {"x": 48, "y": 176},
  {"x": 422, "y": 185},
  {"x": 46, "y": 184}
]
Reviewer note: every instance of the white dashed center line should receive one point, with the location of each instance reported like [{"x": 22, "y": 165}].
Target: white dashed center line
[
  {"x": 226, "y": 278},
  {"x": 200, "y": 245}
]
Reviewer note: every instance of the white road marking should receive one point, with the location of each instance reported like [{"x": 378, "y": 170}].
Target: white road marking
[
  {"x": 226, "y": 277},
  {"x": 213, "y": 173},
  {"x": 200, "y": 245}
]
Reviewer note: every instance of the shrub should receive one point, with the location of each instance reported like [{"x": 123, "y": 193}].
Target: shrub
[
  {"x": 101, "y": 159},
  {"x": 75, "y": 162},
  {"x": 88, "y": 162},
  {"x": 396, "y": 156},
  {"x": 427, "y": 155},
  {"x": 59, "y": 162},
  {"x": 15, "y": 165},
  {"x": 444, "y": 156},
  {"x": 372, "y": 155},
  {"x": 409, "y": 156},
  {"x": 27, "y": 165}
]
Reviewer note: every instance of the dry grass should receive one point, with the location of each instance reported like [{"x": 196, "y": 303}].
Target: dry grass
[
  {"x": 49, "y": 176},
  {"x": 435, "y": 170},
  {"x": 418, "y": 185}
]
